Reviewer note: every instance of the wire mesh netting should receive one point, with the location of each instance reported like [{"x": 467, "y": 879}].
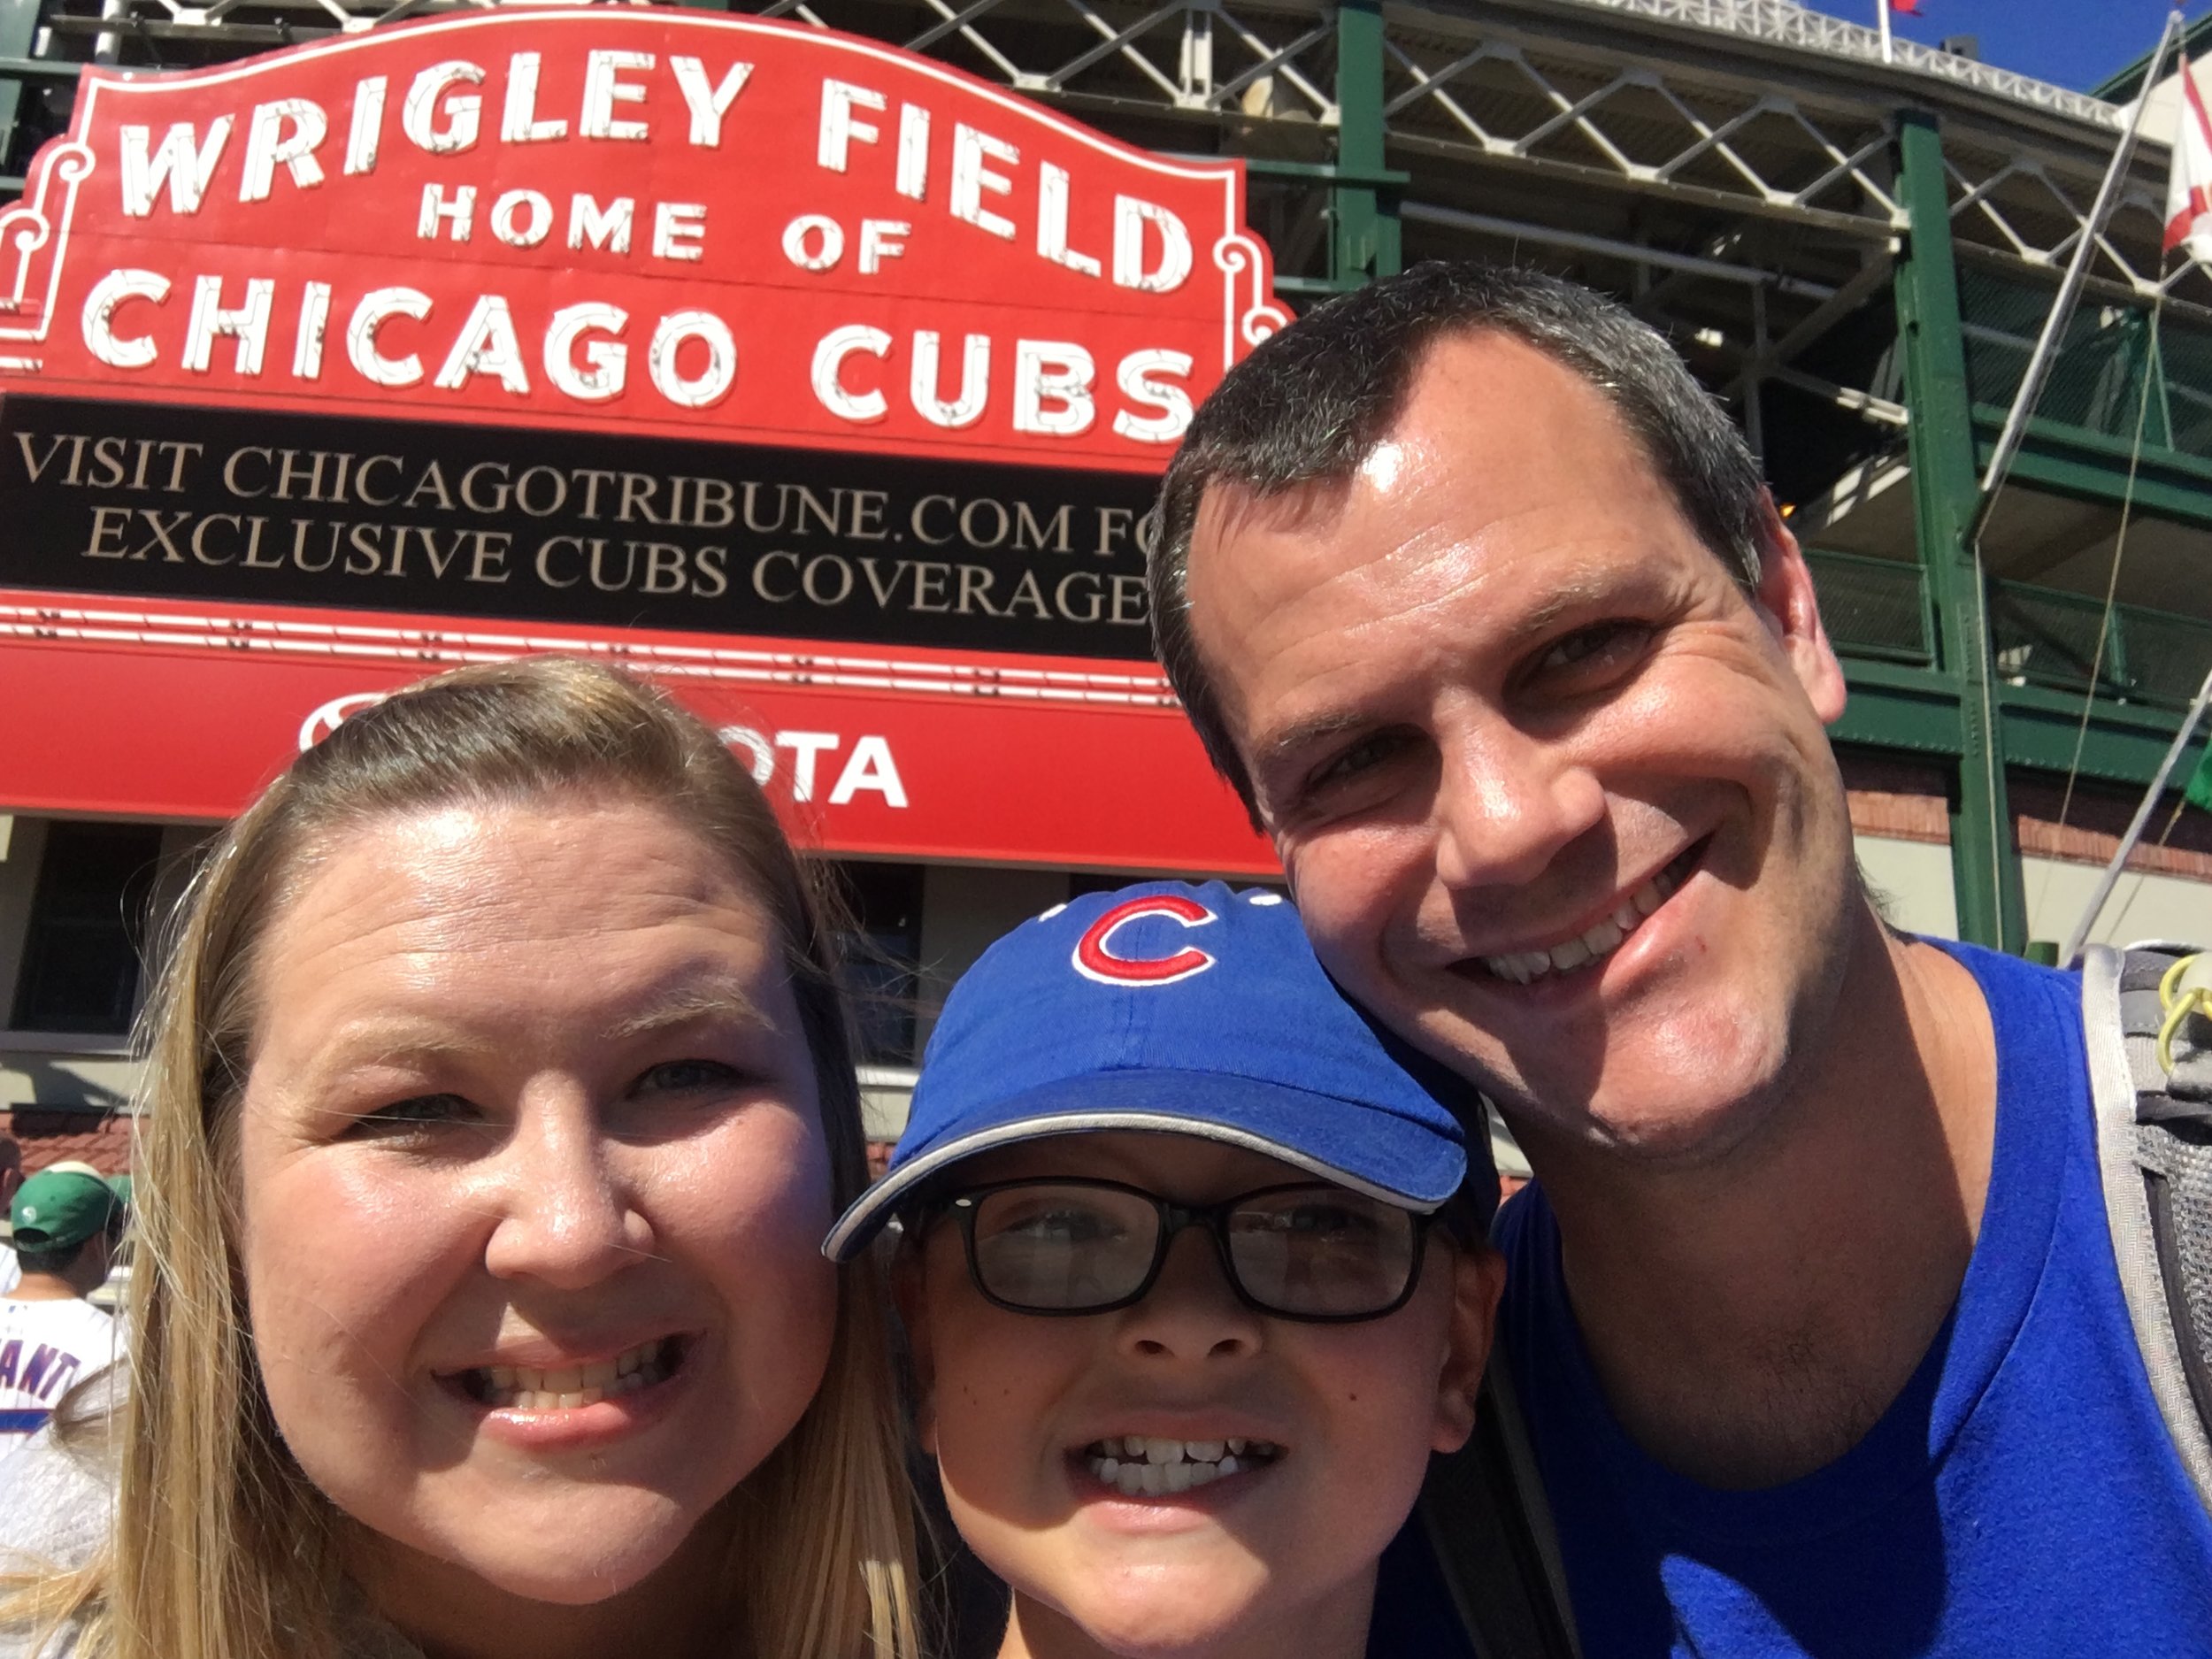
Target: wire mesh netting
[
  {"x": 2050, "y": 639},
  {"x": 1871, "y": 607},
  {"x": 2097, "y": 379}
]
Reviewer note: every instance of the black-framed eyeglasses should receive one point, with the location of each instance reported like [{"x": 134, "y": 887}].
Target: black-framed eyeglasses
[{"x": 1310, "y": 1250}]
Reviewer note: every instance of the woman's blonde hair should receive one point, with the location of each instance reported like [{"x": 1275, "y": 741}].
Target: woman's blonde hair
[{"x": 222, "y": 1547}]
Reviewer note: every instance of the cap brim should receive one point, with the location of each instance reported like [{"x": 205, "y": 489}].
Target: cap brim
[{"x": 1353, "y": 1143}]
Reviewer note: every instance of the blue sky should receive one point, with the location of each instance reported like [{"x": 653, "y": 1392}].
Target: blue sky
[{"x": 2068, "y": 43}]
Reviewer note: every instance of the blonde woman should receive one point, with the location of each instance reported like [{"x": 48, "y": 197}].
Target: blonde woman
[{"x": 498, "y": 1096}]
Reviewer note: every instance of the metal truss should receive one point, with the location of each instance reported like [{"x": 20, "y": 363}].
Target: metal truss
[
  {"x": 2027, "y": 206},
  {"x": 1187, "y": 56},
  {"x": 1606, "y": 118},
  {"x": 1785, "y": 23}
]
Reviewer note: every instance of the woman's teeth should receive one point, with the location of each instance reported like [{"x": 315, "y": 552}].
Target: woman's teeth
[
  {"x": 1140, "y": 1465},
  {"x": 1601, "y": 940},
  {"x": 526, "y": 1388}
]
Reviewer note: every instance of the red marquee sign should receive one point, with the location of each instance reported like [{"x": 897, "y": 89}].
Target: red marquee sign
[
  {"x": 163, "y": 712},
  {"x": 643, "y": 220}
]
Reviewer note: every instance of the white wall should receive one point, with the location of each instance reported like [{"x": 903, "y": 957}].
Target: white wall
[
  {"x": 2142, "y": 906},
  {"x": 1912, "y": 884}
]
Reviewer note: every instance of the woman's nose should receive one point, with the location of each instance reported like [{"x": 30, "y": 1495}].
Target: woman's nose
[
  {"x": 564, "y": 1214},
  {"x": 1192, "y": 1312}
]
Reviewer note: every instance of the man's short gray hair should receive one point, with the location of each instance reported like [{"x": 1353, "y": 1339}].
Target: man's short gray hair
[{"x": 1310, "y": 405}]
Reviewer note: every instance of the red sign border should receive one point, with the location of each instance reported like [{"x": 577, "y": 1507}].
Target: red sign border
[{"x": 31, "y": 227}]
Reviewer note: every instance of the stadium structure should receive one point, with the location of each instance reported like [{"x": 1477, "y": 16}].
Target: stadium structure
[{"x": 1855, "y": 251}]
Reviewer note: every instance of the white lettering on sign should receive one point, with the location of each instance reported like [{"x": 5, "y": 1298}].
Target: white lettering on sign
[
  {"x": 869, "y": 766},
  {"x": 827, "y": 377},
  {"x": 691, "y": 359},
  {"x": 249, "y": 324},
  {"x": 268, "y": 146},
  {"x": 186, "y": 164},
  {"x": 462, "y": 111},
  {"x": 607, "y": 361},
  {"x": 603, "y": 88},
  {"x": 971, "y": 176},
  {"x": 518, "y": 123},
  {"x": 1052, "y": 384},
  {"x": 1052, "y": 387},
  {"x": 594, "y": 226},
  {"x": 708, "y": 101},
  {"x": 118, "y": 351},
  {"x": 958, "y": 270}
]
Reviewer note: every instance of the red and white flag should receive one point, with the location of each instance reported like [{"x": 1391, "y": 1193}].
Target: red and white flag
[{"x": 2189, "y": 188}]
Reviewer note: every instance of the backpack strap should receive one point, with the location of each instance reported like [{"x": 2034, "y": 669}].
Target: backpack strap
[
  {"x": 1490, "y": 1529},
  {"x": 2154, "y": 1156}
]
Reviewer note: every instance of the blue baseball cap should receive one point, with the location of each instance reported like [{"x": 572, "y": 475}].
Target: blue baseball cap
[{"x": 1193, "y": 1010}]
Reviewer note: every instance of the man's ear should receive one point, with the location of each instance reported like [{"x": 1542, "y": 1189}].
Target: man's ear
[
  {"x": 1786, "y": 595},
  {"x": 1478, "y": 1281},
  {"x": 913, "y": 1306}
]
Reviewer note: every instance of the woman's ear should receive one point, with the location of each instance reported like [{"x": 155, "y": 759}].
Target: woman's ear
[
  {"x": 1478, "y": 1281},
  {"x": 913, "y": 1305}
]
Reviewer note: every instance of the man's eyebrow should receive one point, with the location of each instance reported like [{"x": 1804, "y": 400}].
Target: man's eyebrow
[
  {"x": 1564, "y": 600},
  {"x": 1295, "y": 739}
]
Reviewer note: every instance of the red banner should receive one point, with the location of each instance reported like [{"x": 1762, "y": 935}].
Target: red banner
[
  {"x": 651, "y": 220},
  {"x": 176, "y": 711}
]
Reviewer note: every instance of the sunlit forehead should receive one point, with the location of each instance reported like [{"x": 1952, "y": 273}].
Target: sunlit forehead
[{"x": 1384, "y": 465}]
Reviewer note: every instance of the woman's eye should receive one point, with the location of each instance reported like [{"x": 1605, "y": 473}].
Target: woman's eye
[
  {"x": 1592, "y": 650},
  {"x": 674, "y": 1075},
  {"x": 416, "y": 1113}
]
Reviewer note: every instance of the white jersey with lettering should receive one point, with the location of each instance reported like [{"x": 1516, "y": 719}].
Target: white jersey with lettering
[{"x": 46, "y": 1348}]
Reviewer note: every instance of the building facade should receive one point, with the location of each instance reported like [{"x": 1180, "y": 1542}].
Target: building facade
[{"x": 1856, "y": 254}]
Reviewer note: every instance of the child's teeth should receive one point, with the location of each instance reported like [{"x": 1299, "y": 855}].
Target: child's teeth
[{"x": 1167, "y": 1466}]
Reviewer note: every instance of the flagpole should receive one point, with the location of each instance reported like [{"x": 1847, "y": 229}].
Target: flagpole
[
  {"x": 1889, "y": 46},
  {"x": 2062, "y": 308},
  {"x": 2111, "y": 877}
]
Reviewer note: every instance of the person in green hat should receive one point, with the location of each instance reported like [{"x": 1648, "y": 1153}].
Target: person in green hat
[{"x": 67, "y": 1223}]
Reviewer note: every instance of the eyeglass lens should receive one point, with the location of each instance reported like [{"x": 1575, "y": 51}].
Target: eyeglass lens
[{"x": 1310, "y": 1250}]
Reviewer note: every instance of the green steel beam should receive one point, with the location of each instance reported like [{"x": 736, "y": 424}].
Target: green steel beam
[
  {"x": 1363, "y": 242},
  {"x": 1913, "y": 712},
  {"x": 2092, "y": 467},
  {"x": 1985, "y": 859}
]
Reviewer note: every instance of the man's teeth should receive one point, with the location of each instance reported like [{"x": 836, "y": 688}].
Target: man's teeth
[
  {"x": 1140, "y": 1464},
  {"x": 526, "y": 1388},
  {"x": 1601, "y": 940}
]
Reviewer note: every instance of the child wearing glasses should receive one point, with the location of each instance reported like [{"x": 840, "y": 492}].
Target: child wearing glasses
[{"x": 1195, "y": 1280}]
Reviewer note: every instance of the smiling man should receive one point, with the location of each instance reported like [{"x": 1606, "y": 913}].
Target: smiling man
[{"x": 1478, "y": 601}]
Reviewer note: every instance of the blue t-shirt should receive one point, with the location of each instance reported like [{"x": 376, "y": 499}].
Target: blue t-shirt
[
  {"x": 2020, "y": 1497},
  {"x": 1414, "y": 1617}
]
